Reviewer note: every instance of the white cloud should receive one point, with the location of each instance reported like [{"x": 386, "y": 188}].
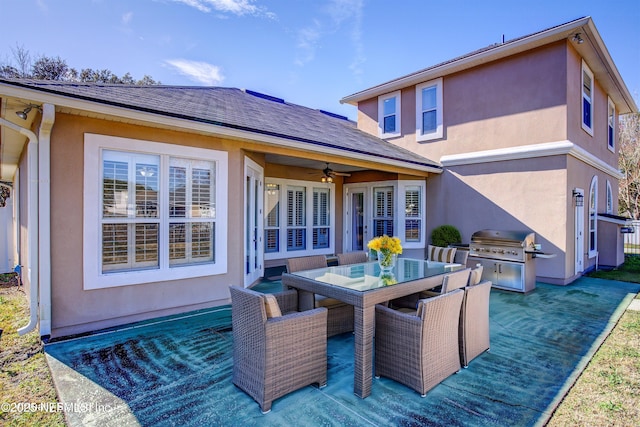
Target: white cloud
[
  {"x": 341, "y": 14},
  {"x": 236, "y": 7},
  {"x": 307, "y": 40},
  {"x": 200, "y": 72},
  {"x": 127, "y": 17}
]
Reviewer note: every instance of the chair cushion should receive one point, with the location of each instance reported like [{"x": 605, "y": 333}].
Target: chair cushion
[
  {"x": 271, "y": 306},
  {"x": 322, "y": 301},
  {"x": 436, "y": 253},
  {"x": 476, "y": 276}
]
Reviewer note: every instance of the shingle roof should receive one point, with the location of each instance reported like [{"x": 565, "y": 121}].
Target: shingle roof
[{"x": 236, "y": 109}]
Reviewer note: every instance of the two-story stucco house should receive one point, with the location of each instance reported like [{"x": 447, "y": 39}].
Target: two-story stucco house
[
  {"x": 133, "y": 202},
  {"x": 526, "y": 133}
]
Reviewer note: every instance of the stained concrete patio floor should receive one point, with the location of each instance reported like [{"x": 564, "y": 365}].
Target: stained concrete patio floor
[{"x": 177, "y": 370}]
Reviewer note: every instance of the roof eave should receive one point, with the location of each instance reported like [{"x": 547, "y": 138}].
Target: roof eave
[{"x": 38, "y": 95}]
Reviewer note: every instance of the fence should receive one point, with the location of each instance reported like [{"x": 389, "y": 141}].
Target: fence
[{"x": 632, "y": 240}]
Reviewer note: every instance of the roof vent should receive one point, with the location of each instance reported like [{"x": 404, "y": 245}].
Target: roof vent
[
  {"x": 264, "y": 96},
  {"x": 337, "y": 116}
]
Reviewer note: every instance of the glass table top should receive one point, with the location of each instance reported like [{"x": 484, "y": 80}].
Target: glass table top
[{"x": 367, "y": 276}]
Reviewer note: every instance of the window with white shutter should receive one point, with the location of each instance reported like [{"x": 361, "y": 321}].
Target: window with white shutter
[
  {"x": 321, "y": 215},
  {"x": 159, "y": 214},
  {"x": 383, "y": 209},
  {"x": 296, "y": 221},
  {"x": 412, "y": 214}
]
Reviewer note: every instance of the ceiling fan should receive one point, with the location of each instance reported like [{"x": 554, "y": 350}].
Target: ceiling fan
[{"x": 329, "y": 174}]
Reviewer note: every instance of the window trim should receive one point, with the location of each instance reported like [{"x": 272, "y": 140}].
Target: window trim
[
  {"x": 439, "y": 132},
  {"x": 611, "y": 142},
  {"x": 93, "y": 277},
  {"x": 585, "y": 69},
  {"x": 381, "y": 133},
  {"x": 310, "y": 186},
  {"x": 402, "y": 218}
]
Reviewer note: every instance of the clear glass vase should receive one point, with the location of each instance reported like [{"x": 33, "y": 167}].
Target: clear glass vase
[{"x": 387, "y": 261}]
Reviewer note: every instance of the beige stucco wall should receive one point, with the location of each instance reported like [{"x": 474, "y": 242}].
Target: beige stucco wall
[
  {"x": 496, "y": 105},
  {"x": 77, "y": 310},
  {"x": 509, "y": 195},
  {"x": 596, "y": 144}
]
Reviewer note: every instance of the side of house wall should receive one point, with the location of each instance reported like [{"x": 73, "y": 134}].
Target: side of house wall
[
  {"x": 75, "y": 309},
  {"x": 520, "y": 100},
  {"x": 528, "y": 194}
]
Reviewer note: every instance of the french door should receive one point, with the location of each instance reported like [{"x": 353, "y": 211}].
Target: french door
[
  {"x": 579, "y": 235},
  {"x": 357, "y": 217},
  {"x": 253, "y": 222}
]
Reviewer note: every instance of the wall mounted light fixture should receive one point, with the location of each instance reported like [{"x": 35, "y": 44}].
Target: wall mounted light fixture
[
  {"x": 578, "y": 197},
  {"x": 576, "y": 38},
  {"x": 24, "y": 113}
]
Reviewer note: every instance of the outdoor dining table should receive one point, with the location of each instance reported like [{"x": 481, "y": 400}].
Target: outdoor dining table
[{"x": 363, "y": 286}]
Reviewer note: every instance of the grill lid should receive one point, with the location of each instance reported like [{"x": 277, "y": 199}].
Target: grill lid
[{"x": 522, "y": 238}]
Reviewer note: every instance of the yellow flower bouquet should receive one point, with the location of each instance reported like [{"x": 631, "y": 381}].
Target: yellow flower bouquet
[{"x": 388, "y": 249}]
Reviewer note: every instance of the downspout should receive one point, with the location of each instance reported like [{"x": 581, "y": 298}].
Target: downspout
[
  {"x": 44, "y": 218},
  {"x": 32, "y": 219}
]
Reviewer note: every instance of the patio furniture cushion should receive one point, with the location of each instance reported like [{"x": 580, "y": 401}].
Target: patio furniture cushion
[
  {"x": 271, "y": 306},
  {"x": 322, "y": 301},
  {"x": 476, "y": 275},
  {"x": 436, "y": 253}
]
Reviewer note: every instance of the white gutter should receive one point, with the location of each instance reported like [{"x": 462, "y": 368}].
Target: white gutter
[
  {"x": 32, "y": 218},
  {"x": 44, "y": 217}
]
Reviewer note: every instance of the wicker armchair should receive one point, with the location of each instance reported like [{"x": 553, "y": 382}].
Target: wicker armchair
[
  {"x": 452, "y": 281},
  {"x": 419, "y": 350},
  {"x": 352, "y": 258},
  {"x": 275, "y": 356},
  {"x": 474, "y": 322},
  {"x": 340, "y": 316}
]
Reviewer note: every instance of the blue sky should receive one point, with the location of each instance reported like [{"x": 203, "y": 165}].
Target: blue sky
[{"x": 309, "y": 52}]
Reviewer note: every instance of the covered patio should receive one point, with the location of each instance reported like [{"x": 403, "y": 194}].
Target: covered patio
[{"x": 177, "y": 370}]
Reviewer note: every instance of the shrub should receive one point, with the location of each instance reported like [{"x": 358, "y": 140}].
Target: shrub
[{"x": 445, "y": 235}]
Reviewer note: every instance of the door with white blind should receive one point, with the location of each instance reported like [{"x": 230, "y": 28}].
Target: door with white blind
[
  {"x": 253, "y": 222},
  {"x": 357, "y": 215}
]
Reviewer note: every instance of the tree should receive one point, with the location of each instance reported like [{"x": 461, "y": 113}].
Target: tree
[
  {"x": 629, "y": 162},
  {"x": 56, "y": 68},
  {"x": 46, "y": 68}
]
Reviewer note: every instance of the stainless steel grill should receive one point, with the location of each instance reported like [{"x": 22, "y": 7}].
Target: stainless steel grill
[{"x": 507, "y": 258}]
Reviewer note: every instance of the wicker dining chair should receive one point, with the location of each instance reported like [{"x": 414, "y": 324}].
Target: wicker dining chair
[
  {"x": 273, "y": 356},
  {"x": 347, "y": 258},
  {"x": 474, "y": 322},
  {"x": 452, "y": 281},
  {"x": 420, "y": 350},
  {"x": 340, "y": 316}
]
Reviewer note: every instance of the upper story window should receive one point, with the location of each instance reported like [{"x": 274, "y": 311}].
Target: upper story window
[
  {"x": 152, "y": 212},
  {"x": 587, "y": 99},
  {"x": 429, "y": 110},
  {"x": 389, "y": 115},
  {"x": 611, "y": 133}
]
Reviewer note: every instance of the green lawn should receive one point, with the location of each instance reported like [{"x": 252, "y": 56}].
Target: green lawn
[{"x": 627, "y": 272}]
